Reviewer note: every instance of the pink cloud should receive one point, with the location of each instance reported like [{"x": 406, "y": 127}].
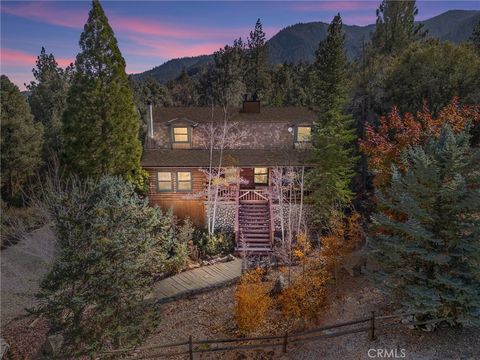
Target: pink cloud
[
  {"x": 11, "y": 57},
  {"x": 45, "y": 12},
  {"x": 338, "y": 6},
  {"x": 167, "y": 49},
  {"x": 39, "y": 11}
]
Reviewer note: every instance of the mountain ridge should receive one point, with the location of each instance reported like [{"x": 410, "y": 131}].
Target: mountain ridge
[{"x": 298, "y": 42}]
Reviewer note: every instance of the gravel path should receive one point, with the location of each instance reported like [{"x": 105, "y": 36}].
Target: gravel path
[{"x": 23, "y": 265}]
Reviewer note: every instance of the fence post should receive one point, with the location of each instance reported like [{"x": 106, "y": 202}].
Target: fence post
[
  {"x": 372, "y": 327},
  {"x": 190, "y": 347},
  {"x": 285, "y": 341}
]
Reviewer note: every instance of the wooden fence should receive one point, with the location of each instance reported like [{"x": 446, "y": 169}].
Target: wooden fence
[{"x": 190, "y": 347}]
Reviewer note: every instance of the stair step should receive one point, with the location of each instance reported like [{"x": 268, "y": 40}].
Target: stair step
[{"x": 263, "y": 229}]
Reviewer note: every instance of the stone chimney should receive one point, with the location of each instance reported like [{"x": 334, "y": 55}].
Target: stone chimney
[{"x": 251, "y": 106}]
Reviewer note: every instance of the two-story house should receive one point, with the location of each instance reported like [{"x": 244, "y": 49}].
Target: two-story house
[{"x": 177, "y": 149}]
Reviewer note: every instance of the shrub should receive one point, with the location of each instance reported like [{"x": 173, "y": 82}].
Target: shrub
[
  {"x": 252, "y": 301},
  {"x": 344, "y": 237},
  {"x": 213, "y": 245},
  {"x": 306, "y": 296}
]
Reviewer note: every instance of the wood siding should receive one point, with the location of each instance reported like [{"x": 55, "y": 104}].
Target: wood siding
[{"x": 180, "y": 202}]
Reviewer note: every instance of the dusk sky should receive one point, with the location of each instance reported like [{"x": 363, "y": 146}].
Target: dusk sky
[{"x": 150, "y": 33}]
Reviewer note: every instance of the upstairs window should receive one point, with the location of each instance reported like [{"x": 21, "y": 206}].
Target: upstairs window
[
  {"x": 164, "y": 181},
  {"x": 303, "y": 134},
  {"x": 181, "y": 134},
  {"x": 184, "y": 181},
  {"x": 260, "y": 176}
]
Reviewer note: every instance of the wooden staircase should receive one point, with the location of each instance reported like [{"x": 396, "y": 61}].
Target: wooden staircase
[{"x": 254, "y": 236}]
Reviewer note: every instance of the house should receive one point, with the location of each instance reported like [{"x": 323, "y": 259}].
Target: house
[{"x": 182, "y": 143}]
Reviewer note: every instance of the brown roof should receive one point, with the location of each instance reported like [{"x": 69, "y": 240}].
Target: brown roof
[
  {"x": 204, "y": 114},
  {"x": 240, "y": 157}
]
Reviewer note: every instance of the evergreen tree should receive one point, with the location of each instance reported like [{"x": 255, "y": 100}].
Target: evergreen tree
[
  {"x": 333, "y": 135},
  {"x": 427, "y": 233},
  {"x": 183, "y": 90},
  {"x": 476, "y": 37},
  {"x": 101, "y": 122},
  {"x": 416, "y": 76},
  {"x": 228, "y": 86},
  {"x": 110, "y": 244},
  {"x": 257, "y": 77},
  {"x": 395, "y": 27},
  {"x": 47, "y": 101},
  {"x": 21, "y": 141}
]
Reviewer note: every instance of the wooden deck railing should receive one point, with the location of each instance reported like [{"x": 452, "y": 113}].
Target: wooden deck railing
[
  {"x": 253, "y": 195},
  {"x": 237, "y": 211}
]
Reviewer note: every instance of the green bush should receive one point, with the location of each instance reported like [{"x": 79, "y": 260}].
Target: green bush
[{"x": 213, "y": 245}]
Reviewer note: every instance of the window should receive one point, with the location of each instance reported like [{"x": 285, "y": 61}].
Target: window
[
  {"x": 181, "y": 135},
  {"x": 164, "y": 181},
  {"x": 304, "y": 134},
  {"x": 261, "y": 176},
  {"x": 184, "y": 181}
]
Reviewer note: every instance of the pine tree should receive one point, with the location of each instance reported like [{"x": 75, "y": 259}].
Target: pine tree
[
  {"x": 228, "y": 85},
  {"x": 47, "y": 101},
  {"x": 183, "y": 90},
  {"x": 475, "y": 38},
  {"x": 333, "y": 135},
  {"x": 427, "y": 234},
  {"x": 21, "y": 141},
  {"x": 101, "y": 123},
  {"x": 396, "y": 27},
  {"x": 257, "y": 77},
  {"x": 111, "y": 244}
]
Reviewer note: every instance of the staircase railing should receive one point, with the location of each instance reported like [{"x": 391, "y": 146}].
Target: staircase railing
[
  {"x": 272, "y": 220},
  {"x": 253, "y": 195},
  {"x": 237, "y": 211}
]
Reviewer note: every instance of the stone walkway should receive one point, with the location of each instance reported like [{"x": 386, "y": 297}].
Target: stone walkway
[{"x": 197, "y": 280}]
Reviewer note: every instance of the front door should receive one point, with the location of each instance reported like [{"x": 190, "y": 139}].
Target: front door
[{"x": 247, "y": 176}]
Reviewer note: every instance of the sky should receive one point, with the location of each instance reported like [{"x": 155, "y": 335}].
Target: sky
[{"x": 152, "y": 32}]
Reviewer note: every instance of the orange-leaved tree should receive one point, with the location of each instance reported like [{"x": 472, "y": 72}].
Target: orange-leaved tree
[
  {"x": 345, "y": 235},
  {"x": 384, "y": 145},
  {"x": 307, "y": 293},
  {"x": 252, "y": 301}
]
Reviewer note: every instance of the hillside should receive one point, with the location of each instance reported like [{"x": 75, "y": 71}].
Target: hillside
[{"x": 297, "y": 43}]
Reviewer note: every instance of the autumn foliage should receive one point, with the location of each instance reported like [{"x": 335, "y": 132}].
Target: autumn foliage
[
  {"x": 385, "y": 144},
  {"x": 252, "y": 301},
  {"x": 344, "y": 237}
]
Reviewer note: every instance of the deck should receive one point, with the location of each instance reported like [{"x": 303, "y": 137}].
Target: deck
[{"x": 197, "y": 280}]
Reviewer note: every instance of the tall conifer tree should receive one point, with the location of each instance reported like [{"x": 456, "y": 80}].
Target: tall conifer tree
[
  {"x": 101, "y": 122},
  {"x": 427, "y": 240},
  {"x": 21, "y": 140},
  {"x": 47, "y": 100},
  {"x": 396, "y": 27},
  {"x": 333, "y": 135},
  {"x": 257, "y": 77}
]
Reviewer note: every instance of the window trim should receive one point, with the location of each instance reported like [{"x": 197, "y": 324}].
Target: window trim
[
  {"x": 189, "y": 136},
  {"x": 296, "y": 134},
  {"x": 164, "y": 181},
  {"x": 261, "y": 174},
  {"x": 184, "y": 181}
]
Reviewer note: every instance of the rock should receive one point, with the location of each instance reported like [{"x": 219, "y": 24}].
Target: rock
[
  {"x": 3, "y": 347},
  {"x": 355, "y": 262},
  {"x": 278, "y": 286},
  {"x": 230, "y": 257},
  {"x": 53, "y": 344}
]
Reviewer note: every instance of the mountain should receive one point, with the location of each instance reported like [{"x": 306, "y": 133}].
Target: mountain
[{"x": 298, "y": 43}]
